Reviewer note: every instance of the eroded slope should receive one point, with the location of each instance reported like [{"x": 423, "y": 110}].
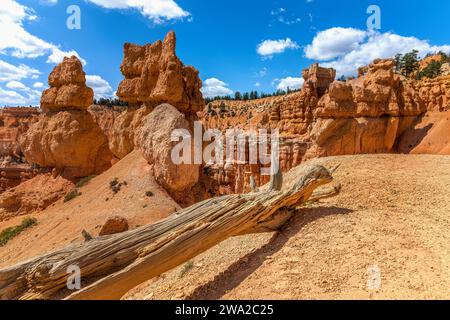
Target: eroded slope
[{"x": 62, "y": 223}]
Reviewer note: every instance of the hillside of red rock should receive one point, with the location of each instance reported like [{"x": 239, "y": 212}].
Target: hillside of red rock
[
  {"x": 33, "y": 195},
  {"x": 139, "y": 199},
  {"x": 378, "y": 112},
  {"x": 84, "y": 170},
  {"x": 430, "y": 135}
]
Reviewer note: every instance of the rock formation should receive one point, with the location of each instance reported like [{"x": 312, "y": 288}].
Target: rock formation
[
  {"x": 163, "y": 95},
  {"x": 14, "y": 122},
  {"x": 364, "y": 115},
  {"x": 66, "y": 137},
  {"x": 121, "y": 136},
  {"x": 445, "y": 69},
  {"x": 13, "y": 173},
  {"x": 33, "y": 195},
  {"x": 68, "y": 90},
  {"x": 380, "y": 111},
  {"x": 153, "y": 138},
  {"x": 434, "y": 93},
  {"x": 321, "y": 78},
  {"x": 154, "y": 75},
  {"x": 114, "y": 225}
]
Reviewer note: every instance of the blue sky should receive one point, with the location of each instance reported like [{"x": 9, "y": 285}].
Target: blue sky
[{"x": 236, "y": 45}]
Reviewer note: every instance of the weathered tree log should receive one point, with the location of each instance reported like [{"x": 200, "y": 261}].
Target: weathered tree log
[
  {"x": 279, "y": 218},
  {"x": 112, "y": 265}
]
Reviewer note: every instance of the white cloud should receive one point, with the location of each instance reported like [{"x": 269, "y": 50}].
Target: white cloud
[
  {"x": 280, "y": 15},
  {"x": 17, "y": 93},
  {"x": 257, "y": 84},
  {"x": 288, "y": 82},
  {"x": 214, "y": 87},
  {"x": 101, "y": 87},
  {"x": 261, "y": 73},
  {"x": 334, "y": 42},
  {"x": 9, "y": 72},
  {"x": 158, "y": 11},
  {"x": 348, "y": 49},
  {"x": 18, "y": 42},
  {"x": 48, "y": 2},
  {"x": 10, "y": 97},
  {"x": 38, "y": 85},
  {"x": 268, "y": 48},
  {"x": 26, "y": 96},
  {"x": 281, "y": 19},
  {"x": 16, "y": 85},
  {"x": 57, "y": 56},
  {"x": 276, "y": 12}
]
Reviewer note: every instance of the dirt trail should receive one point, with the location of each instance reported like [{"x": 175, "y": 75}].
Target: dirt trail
[{"x": 393, "y": 214}]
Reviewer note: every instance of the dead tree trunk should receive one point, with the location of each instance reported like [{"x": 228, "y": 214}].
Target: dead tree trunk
[{"x": 112, "y": 265}]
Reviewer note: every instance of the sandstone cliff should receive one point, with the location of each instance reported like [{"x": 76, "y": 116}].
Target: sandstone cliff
[
  {"x": 14, "y": 122},
  {"x": 365, "y": 115},
  {"x": 380, "y": 111}
]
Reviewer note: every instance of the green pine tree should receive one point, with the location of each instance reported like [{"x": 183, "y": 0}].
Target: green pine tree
[{"x": 409, "y": 63}]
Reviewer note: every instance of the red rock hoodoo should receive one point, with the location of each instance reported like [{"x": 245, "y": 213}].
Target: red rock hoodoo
[
  {"x": 164, "y": 96},
  {"x": 68, "y": 89},
  {"x": 66, "y": 137},
  {"x": 154, "y": 75}
]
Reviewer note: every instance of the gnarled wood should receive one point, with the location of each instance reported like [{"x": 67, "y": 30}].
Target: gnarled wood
[{"x": 122, "y": 261}]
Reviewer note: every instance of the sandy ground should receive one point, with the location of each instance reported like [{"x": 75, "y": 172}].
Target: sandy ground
[{"x": 392, "y": 218}]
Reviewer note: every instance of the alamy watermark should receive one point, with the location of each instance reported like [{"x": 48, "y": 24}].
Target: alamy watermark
[
  {"x": 374, "y": 20},
  {"x": 74, "y": 278},
  {"x": 73, "y": 22},
  {"x": 374, "y": 278},
  {"x": 236, "y": 146}
]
